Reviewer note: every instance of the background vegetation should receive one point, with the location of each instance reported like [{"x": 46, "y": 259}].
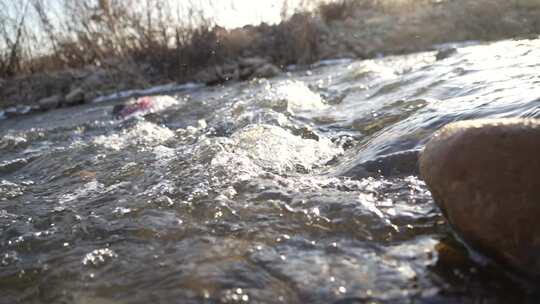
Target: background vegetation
[
  {"x": 138, "y": 43},
  {"x": 35, "y": 38}
]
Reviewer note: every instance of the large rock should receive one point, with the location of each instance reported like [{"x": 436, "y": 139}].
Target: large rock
[
  {"x": 207, "y": 76},
  {"x": 252, "y": 62},
  {"x": 246, "y": 73},
  {"x": 267, "y": 71},
  {"x": 485, "y": 176},
  {"x": 74, "y": 97},
  {"x": 445, "y": 53},
  {"x": 228, "y": 71},
  {"x": 96, "y": 80},
  {"x": 51, "y": 102}
]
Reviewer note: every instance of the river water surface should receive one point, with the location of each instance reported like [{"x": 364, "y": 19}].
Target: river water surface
[{"x": 298, "y": 189}]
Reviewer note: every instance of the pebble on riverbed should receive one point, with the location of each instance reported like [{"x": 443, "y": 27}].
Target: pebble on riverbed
[{"x": 484, "y": 175}]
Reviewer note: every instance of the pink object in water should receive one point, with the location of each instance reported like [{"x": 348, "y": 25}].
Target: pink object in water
[{"x": 142, "y": 104}]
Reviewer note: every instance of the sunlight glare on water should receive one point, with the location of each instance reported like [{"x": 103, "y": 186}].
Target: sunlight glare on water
[{"x": 298, "y": 189}]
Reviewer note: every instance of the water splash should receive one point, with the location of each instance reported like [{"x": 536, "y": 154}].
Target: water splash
[{"x": 293, "y": 191}]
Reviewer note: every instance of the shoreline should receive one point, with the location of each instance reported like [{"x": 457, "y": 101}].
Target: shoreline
[{"x": 265, "y": 51}]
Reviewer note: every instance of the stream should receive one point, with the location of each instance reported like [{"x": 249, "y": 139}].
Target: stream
[{"x": 297, "y": 189}]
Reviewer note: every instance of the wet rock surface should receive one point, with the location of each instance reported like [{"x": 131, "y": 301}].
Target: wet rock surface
[
  {"x": 445, "y": 53},
  {"x": 484, "y": 176},
  {"x": 74, "y": 97},
  {"x": 242, "y": 69},
  {"x": 266, "y": 71},
  {"x": 49, "y": 103}
]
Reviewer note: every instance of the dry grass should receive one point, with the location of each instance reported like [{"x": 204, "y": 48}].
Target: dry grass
[
  {"x": 98, "y": 34},
  {"x": 342, "y": 9},
  {"x": 334, "y": 10},
  {"x": 109, "y": 34},
  {"x": 149, "y": 38}
]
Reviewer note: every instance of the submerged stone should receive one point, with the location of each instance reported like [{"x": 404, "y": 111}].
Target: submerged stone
[
  {"x": 74, "y": 97},
  {"x": 484, "y": 175},
  {"x": 252, "y": 62},
  {"x": 267, "y": 71},
  {"x": 445, "y": 53},
  {"x": 207, "y": 76},
  {"x": 51, "y": 102}
]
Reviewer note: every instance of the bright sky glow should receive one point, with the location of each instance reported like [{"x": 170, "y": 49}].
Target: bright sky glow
[
  {"x": 226, "y": 13},
  {"x": 237, "y": 13}
]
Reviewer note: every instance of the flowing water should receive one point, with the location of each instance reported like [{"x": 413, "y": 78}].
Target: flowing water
[{"x": 298, "y": 189}]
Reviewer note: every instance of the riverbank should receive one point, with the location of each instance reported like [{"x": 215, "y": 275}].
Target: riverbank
[{"x": 355, "y": 29}]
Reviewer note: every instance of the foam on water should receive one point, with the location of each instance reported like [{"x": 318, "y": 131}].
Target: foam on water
[
  {"x": 83, "y": 191},
  {"x": 10, "y": 141},
  {"x": 275, "y": 148},
  {"x": 168, "y": 88},
  {"x": 9, "y": 190},
  {"x": 143, "y": 134},
  {"x": 371, "y": 69},
  {"x": 299, "y": 97},
  {"x": 290, "y": 97},
  {"x": 255, "y": 190}
]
